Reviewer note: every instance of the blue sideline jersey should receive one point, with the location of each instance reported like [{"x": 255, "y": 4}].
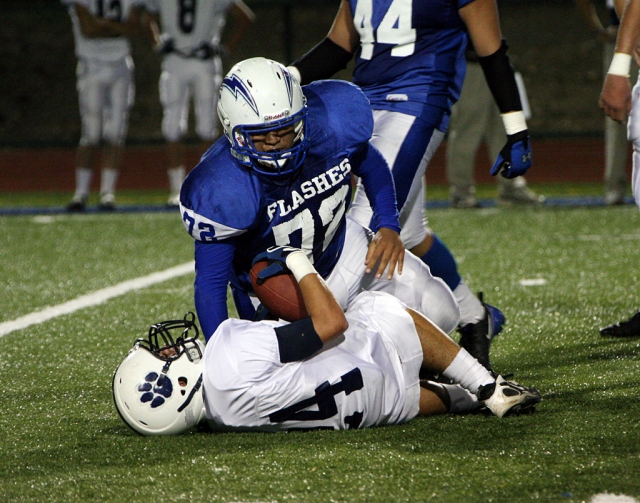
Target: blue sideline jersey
[
  {"x": 411, "y": 55},
  {"x": 234, "y": 213}
]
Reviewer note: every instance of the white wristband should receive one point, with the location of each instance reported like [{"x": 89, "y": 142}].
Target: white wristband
[
  {"x": 620, "y": 64},
  {"x": 514, "y": 122},
  {"x": 299, "y": 265},
  {"x": 295, "y": 72}
]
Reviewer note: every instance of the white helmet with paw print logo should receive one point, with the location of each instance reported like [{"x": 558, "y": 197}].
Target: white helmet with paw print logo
[{"x": 157, "y": 389}]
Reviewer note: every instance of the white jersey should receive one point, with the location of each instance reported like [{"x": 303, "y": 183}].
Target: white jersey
[
  {"x": 189, "y": 22},
  {"x": 368, "y": 377},
  {"x": 107, "y": 48}
]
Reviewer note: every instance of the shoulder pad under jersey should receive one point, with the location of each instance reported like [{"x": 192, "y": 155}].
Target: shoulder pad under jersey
[
  {"x": 339, "y": 115},
  {"x": 219, "y": 198}
]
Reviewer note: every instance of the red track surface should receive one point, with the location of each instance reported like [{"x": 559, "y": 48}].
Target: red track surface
[{"x": 25, "y": 170}]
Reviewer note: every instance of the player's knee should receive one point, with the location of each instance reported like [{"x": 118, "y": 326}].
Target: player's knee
[
  {"x": 422, "y": 246},
  {"x": 172, "y": 128},
  {"x": 115, "y": 132},
  {"x": 441, "y": 307},
  {"x": 447, "y": 317},
  {"x": 207, "y": 132},
  {"x": 90, "y": 135}
]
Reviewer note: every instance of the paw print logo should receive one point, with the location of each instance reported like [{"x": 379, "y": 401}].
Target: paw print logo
[{"x": 155, "y": 390}]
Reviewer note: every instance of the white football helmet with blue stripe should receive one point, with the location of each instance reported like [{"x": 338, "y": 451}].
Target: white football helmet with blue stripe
[{"x": 259, "y": 95}]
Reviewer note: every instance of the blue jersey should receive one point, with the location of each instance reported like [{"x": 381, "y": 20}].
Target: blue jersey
[
  {"x": 234, "y": 213},
  {"x": 411, "y": 55}
]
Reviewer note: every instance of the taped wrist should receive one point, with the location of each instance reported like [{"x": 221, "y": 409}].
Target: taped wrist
[
  {"x": 322, "y": 62},
  {"x": 299, "y": 265},
  {"x": 514, "y": 122},
  {"x": 297, "y": 340},
  {"x": 501, "y": 79},
  {"x": 620, "y": 64}
]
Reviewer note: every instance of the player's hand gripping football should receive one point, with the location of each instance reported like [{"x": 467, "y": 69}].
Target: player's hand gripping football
[
  {"x": 515, "y": 157},
  {"x": 386, "y": 249},
  {"x": 276, "y": 256}
]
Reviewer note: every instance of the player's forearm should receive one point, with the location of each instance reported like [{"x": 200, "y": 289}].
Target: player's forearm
[
  {"x": 332, "y": 54},
  {"x": 588, "y": 12},
  {"x": 629, "y": 30},
  {"x": 326, "y": 314},
  {"x": 501, "y": 80},
  {"x": 378, "y": 183},
  {"x": 213, "y": 263}
]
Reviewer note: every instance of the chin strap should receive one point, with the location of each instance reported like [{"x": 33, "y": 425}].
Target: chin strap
[{"x": 194, "y": 390}]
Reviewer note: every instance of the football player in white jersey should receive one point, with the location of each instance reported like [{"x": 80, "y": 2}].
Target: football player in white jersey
[
  {"x": 188, "y": 34},
  {"x": 332, "y": 370},
  {"x": 619, "y": 102},
  {"x": 105, "y": 89}
]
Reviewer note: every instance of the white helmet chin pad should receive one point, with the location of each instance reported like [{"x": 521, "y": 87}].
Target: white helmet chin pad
[
  {"x": 156, "y": 395},
  {"x": 259, "y": 95}
]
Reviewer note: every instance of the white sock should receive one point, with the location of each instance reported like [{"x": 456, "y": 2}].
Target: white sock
[
  {"x": 108, "y": 179},
  {"x": 176, "y": 177},
  {"x": 461, "y": 400},
  {"x": 467, "y": 372},
  {"x": 83, "y": 183},
  {"x": 471, "y": 309}
]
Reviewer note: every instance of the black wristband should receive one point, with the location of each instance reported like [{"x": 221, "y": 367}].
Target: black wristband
[
  {"x": 322, "y": 62},
  {"x": 297, "y": 340},
  {"x": 501, "y": 79}
]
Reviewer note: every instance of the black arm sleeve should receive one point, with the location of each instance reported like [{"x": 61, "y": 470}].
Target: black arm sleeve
[
  {"x": 501, "y": 79},
  {"x": 297, "y": 340},
  {"x": 322, "y": 62}
]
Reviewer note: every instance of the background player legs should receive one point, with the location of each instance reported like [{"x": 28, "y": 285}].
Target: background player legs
[
  {"x": 176, "y": 170},
  {"x": 475, "y": 119},
  {"x": 469, "y": 118},
  {"x": 616, "y": 146},
  {"x": 84, "y": 173},
  {"x": 111, "y": 156}
]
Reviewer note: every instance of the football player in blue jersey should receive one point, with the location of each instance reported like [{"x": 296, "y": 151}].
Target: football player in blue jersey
[
  {"x": 410, "y": 65},
  {"x": 281, "y": 176}
]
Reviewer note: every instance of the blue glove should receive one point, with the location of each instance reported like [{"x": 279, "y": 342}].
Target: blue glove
[
  {"x": 276, "y": 256},
  {"x": 515, "y": 157}
]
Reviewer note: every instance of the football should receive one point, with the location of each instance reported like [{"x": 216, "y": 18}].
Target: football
[{"x": 279, "y": 294}]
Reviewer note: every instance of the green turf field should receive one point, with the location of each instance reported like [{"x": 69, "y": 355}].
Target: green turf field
[{"x": 557, "y": 273}]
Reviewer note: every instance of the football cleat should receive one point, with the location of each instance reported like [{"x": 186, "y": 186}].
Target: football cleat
[
  {"x": 627, "y": 328},
  {"x": 173, "y": 201},
  {"x": 107, "y": 202},
  {"x": 464, "y": 202},
  {"x": 518, "y": 194},
  {"x": 614, "y": 198},
  {"x": 77, "y": 204},
  {"x": 508, "y": 398},
  {"x": 476, "y": 337}
]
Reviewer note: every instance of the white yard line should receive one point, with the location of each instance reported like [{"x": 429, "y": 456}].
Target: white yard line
[{"x": 95, "y": 298}]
